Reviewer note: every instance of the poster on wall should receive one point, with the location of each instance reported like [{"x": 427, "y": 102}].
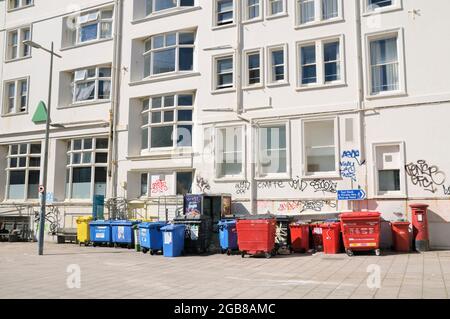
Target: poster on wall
[
  {"x": 159, "y": 185},
  {"x": 192, "y": 205},
  {"x": 226, "y": 206}
]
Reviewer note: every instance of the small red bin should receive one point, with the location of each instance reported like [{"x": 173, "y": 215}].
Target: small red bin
[
  {"x": 299, "y": 237},
  {"x": 331, "y": 236},
  {"x": 401, "y": 236}
]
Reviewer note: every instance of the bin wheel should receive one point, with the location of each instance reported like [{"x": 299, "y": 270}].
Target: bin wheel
[
  {"x": 274, "y": 252},
  {"x": 378, "y": 252},
  {"x": 115, "y": 245},
  {"x": 229, "y": 252},
  {"x": 144, "y": 250},
  {"x": 349, "y": 252},
  {"x": 243, "y": 254},
  {"x": 152, "y": 252},
  {"x": 268, "y": 255},
  {"x": 94, "y": 245},
  {"x": 222, "y": 251}
]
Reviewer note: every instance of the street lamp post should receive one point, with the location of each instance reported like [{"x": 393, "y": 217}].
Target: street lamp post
[{"x": 47, "y": 135}]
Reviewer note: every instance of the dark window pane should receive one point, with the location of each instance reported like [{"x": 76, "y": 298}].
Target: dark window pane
[
  {"x": 35, "y": 162},
  {"x": 77, "y": 145},
  {"x": 81, "y": 175},
  {"x": 101, "y": 143},
  {"x": 184, "y": 183},
  {"x": 17, "y": 177},
  {"x": 186, "y": 3},
  {"x": 169, "y": 101},
  {"x": 101, "y": 157},
  {"x": 168, "y": 116},
  {"x": 23, "y": 148},
  {"x": 35, "y": 149},
  {"x": 185, "y": 115},
  {"x": 100, "y": 175},
  {"x": 33, "y": 184},
  {"x": 13, "y": 162},
  {"x": 144, "y": 185},
  {"x": 156, "y": 117},
  {"x": 185, "y": 100},
  {"x": 184, "y": 135},
  {"x": 22, "y": 161},
  {"x": 161, "y": 136},
  {"x": 186, "y": 59},
  {"x": 14, "y": 149},
  {"x": 87, "y": 143},
  {"x": 187, "y": 38},
  {"x": 144, "y": 138},
  {"x": 164, "y": 61}
]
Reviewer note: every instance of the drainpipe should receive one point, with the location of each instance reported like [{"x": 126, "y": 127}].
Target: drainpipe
[{"x": 113, "y": 113}]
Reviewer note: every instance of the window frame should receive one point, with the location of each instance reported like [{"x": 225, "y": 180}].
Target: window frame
[
  {"x": 245, "y": 11},
  {"x": 271, "y": 176},
  {"x": 20, "y": 46},
  {"x": 380, "y": 35},
  {"x": 395, "y": 6},
  {"x": 331, "y": 174},
  {"x": 177, "y": 46},
  {"x": 87, "y": 79},
  {"x": 319, "y": 44},
  {"x": 177, "y": 7},
  {"x": 27, "y": 168},
  {"x": 22, "y": 5},
  {"x": 402, "y": 193},
  {"x": 174, "y": 123},
  {"x": 17, "y": 96},
  {"x": 246, "y": 54},
  {"x": 215, "y": 22},
  {"x": 215, "y": 77},
  {"x": 270, "y": 67},
  {"x": 92, "y": 165},
  {"x": 243, "y": 174},
  {"x": 318, "y": 17},
  {"x": 270, "y": 15},
  {"x": 174, "y": 177}
]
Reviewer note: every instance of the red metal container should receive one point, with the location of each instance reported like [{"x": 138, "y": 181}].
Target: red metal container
[
  {"x": 361, "y": 231},
  {"x": 420, "y": 227},
  {"x": 316, "y": 237},
  {"x": 256, "y": 236},
  {"x": 400, "y": 236},
  {"x": 299, "y": 237},
  {"x": 331, "y": 234}
]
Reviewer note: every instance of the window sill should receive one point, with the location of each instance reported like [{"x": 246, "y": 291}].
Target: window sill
[
  {"x": 19, "y": 8},
  {"x": 255, "y": 20},
  {"x": 223, "y": 91},
  {"x": 81, "y": 104},
  {"x": 18, "y": 59},
  {"x": 277, "y": 84},
  {"x": 236, "y": 179},
  {"x": 253, "y": 87},
  {"x": 165, "y": 77},
  {"x": 185, "y": 152},
  {"x": 326, "y": 175},
  {"x": 225, "y": 26},
  {"x": 321, "y": 86},
  {"x": 15, "y": 114},
  {"x": 274, "y": 177},
  {"x": 318, "y": 23},
  {"x": 276, "y": 16},
  {"x": 167, "y": 13},
  {"x": 80, "y": 45},
  {"x": 369, "y": 13},
  {"x": 390, "y": 196},
  {"x": 386, "y": 95},
  {"x": 21, "y": 201}
]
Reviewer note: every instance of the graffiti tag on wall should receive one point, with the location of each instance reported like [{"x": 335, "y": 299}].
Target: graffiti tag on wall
[
  {"x": 242, "y": 187},
  {"x": 159, "y": 186},
  {"x": 203, "y": 184},
  {"x": 425, "y": 176},
  {"x": 350, "y": 160}
]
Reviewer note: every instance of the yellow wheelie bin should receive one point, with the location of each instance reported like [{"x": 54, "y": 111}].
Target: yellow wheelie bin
[{"x": 83, "y": 229}]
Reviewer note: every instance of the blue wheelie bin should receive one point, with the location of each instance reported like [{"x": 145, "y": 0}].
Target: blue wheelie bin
[
  {"x": 122, "y": 233},
  {"x": 150, "y": 237},
  {"x": 173, "y": 240},
  {"x": 100, "y": 232},
  {"x": 228, "y": 236}
]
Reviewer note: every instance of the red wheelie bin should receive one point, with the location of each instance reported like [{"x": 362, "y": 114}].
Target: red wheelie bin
[
  {"x": 256, "y": 235},
  {"x": 299, "y": 237},
  {"x": 331, "y": 237},
  {"x": 361, "y": 231},
  {"x": 401, "y": 239}
]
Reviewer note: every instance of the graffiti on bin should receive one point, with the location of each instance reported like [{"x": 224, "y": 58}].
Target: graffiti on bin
[
  {"x": 425, "y": 175},
  {"x": 242, "y": 187},
  {"x": 203, "y": 184},
  {"x": 323, "y": 185}
]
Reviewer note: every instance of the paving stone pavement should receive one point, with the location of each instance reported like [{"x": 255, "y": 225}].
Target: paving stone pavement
[{"x": 122, "y": 273}]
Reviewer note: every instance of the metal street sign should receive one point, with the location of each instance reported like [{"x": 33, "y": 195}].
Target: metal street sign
[{"x": 352, "y": 194}]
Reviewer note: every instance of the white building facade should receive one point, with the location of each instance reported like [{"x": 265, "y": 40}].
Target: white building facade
[{"x": 279, "y": 103}]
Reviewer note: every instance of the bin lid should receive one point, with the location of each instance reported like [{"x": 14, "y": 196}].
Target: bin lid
[
  {"x": 149, "y": 225},
  {"x": 172, "y": 227},
  {"x": 84, "y": 218},
  {"x": 100, "y": 222},
  {"x": 400, "y": 223},
  {"x": 123, "y": 222},
  {"x": 330, "y": 225},
  {"x": 360, "y": 215},
  {"x": 227, "y": 222},
  {"x": 262, "y": 216}
]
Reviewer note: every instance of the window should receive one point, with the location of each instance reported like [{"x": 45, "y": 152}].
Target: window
[
  {"x": 184, "y": 183},
  {"x": 89, "y": 27},
  {"x": 87, "y": 161},
  {"x": 16, "y": 49},
  {"x": 154, "y": 6},
  {"x": 18, "y": 4},
  {"x": 384, "y": 65},
  {"x": 253, "y": 66},
  {"x": 224, "y": 78},
  {"x": 224, "y": 12},
  {"x": 272, "y": 150},
  {"x": 277, "y": 57},
  {"x": 389, "y": 168},
  {"x": 24, "y": 164},
  {"x": 252, "y": 9},
  {"x": 316, "y": 11},
  {"x": 321, "y": 62},
  {"x": 91, "y": 84},
  {"x": 276, "y": 7},
  {"x": 15, "y": 96},
  {"x": 170, "y": 52},
  {"x": 167, "y": 121},
  {"x": 320, "y": 150},
  {"x": 229, "y": 144},
  {"x": 159, "y": 184}
]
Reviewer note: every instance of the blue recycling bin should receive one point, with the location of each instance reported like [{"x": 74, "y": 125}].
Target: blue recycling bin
[
  {"x": 173, "y": 240},
  {"x": 122, "y": 232},
  {"x": 228, "y": 236},
  {"x": 100, "y": 232},
  {"x": 151, "y": 237}
]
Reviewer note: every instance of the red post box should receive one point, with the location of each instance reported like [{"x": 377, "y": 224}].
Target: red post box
[
  {"x": 420, "y": 227},
  {"x": 400, "y": 236}
]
